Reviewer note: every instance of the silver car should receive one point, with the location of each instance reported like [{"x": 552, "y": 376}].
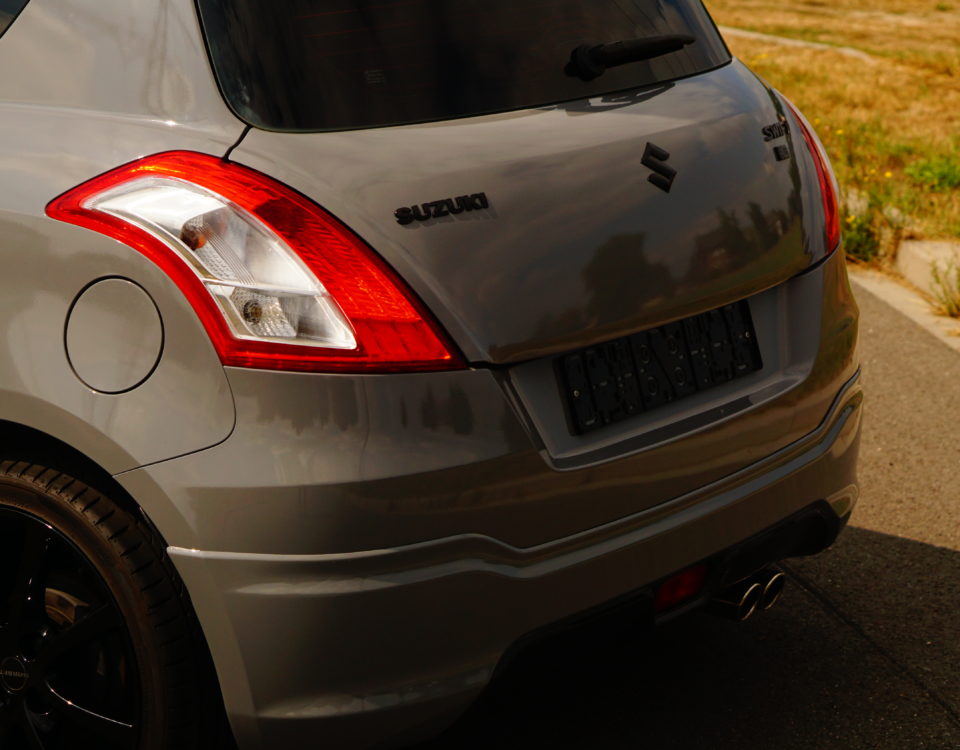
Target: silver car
[{"x": 347, "y": 344}]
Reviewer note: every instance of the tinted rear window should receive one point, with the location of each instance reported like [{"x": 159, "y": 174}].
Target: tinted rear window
[
  {"x": 9, "y": 9},
  {"x": 338, "y": 64}
]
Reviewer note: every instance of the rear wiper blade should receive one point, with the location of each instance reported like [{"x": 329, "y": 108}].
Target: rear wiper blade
[{"x": 588, "y": 61}]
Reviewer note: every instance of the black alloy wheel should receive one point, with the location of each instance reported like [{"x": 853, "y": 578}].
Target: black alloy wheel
[
  {"x": 68, "y": 674},
  {"x": 99, "y": 646}
]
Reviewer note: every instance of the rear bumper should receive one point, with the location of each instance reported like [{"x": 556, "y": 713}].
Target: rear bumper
[{"x": 381, "y": 647}]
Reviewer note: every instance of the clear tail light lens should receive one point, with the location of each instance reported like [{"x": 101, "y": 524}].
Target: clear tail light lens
[
  {"x": 263, "y": 289},
  {"x": 277, "y": 282},
  {"x": 828, "y": 182}
]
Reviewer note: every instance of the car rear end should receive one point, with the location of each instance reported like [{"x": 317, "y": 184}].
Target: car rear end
[{"x": 618, "y": 344}]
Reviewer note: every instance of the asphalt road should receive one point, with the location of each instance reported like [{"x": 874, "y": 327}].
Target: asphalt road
[{"x": 864, "y": 649}]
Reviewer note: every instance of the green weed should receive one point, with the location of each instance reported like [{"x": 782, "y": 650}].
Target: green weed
[
  {"x": 862, "y": 233},
  {"x": 890, "y": 127},
  {"x": 946, "y": 288},
  {"x": 940, "y": 172}
]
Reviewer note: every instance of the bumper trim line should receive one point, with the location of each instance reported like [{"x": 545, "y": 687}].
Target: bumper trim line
[{"x": 475, "y": 552}]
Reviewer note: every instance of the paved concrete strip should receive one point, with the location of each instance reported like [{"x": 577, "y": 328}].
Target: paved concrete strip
[
  {"x": 896, "y": 578},
  {"x": 787, "y": 42},
  {"x": 909, "y": 303},
  {"x": 916, "y": 260},
  {"x": 910, "y": 452}
]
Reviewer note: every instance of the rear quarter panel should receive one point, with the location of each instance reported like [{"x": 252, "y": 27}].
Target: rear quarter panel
[{"x": 98, "y": 85}]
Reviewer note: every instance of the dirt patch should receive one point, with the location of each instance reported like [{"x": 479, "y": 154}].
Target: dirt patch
[{"x": 848, "y": 51}]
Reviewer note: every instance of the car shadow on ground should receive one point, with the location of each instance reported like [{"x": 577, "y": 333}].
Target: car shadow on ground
[{"x": 862, "y": 652}]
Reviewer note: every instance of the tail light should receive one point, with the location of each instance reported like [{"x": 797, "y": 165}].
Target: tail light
[
  {"x": 277, "y": 282},
  {"x": 828, "y": 184}
]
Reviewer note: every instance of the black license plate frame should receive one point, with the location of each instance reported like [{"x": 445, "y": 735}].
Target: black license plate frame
[{"x": 621, "y": 379}]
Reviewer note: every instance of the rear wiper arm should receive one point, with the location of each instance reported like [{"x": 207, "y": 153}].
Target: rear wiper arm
[{"x": 588, "y": 62}]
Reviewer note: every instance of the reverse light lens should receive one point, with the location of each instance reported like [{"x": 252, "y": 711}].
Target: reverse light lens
[
  {"x": 264, "y": 290},
  {"x": 277, "y": 282},
  {"x": 825, "y": 176}
]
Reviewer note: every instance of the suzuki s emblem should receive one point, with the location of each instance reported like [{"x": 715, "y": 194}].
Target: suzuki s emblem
[{"x": 655, "y": 158}]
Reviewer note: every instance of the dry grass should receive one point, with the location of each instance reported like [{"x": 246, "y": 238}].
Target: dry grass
[
  {"x": 892, "y": 127},
  {"x": 946, "y": 288}
]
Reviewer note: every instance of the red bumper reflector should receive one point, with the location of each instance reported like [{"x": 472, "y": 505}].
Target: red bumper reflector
[{"x": 680, "y": 587}]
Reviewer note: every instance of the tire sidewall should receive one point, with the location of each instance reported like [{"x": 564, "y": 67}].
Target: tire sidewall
[{"x": 92, "y": 542}]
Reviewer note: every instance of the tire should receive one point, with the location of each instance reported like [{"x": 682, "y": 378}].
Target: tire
[{"x": 99, "y": 646}]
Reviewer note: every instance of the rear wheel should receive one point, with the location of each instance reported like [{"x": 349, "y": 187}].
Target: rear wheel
[{"x": 98, "y": 644}]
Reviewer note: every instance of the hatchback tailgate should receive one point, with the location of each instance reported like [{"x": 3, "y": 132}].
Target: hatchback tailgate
[{"x": 572, "y": 242}]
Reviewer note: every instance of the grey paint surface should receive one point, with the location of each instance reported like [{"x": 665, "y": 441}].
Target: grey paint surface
[
  {"x": 87, "y": 97},
  {"x": 311, "y": 509},
  {"x": 54, "y": 262},
  {"x": 348, "y": 554},
  {"x": 114, "y": 336},
  {"x": 393, "y": 672},
  {"x": 354, "y": 464},
  {"x": 115, "y": 62},
  {"x": 570, "y": 253}
]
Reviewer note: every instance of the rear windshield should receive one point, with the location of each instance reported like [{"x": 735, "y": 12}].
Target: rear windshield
[
  {"x": 339, "y": 64},
  {"x": 8, "y": 12}
]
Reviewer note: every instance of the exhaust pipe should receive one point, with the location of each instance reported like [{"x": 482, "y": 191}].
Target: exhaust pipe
[
  {"x": 773, "y": 581},
  {"x": 738, "y": 602},
  {"x": 758, "y": 592}
]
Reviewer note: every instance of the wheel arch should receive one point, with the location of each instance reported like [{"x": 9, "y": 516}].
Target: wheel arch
[
  {"x": 26, "y": 443},
  {"x": 30, "y": 445},
  {"x": 101, "y": 468}
]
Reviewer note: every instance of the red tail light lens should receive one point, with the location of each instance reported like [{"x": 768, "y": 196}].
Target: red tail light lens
[
  {"x": 828, "y": 185},
  {"x": 277, "y": 282}
]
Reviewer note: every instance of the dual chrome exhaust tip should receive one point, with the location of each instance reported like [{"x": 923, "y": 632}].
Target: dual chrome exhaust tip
[{"x": 758, "y": 592}]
